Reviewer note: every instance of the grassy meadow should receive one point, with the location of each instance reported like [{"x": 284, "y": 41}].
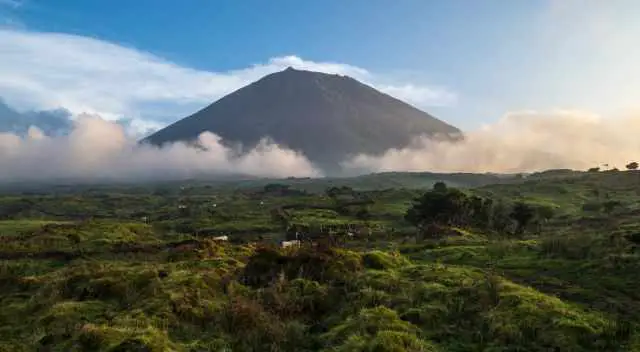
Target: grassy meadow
[{"x": 137, "y": 267}]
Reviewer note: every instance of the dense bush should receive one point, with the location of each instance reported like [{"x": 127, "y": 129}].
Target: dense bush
[{"x": 443, "y": 206}]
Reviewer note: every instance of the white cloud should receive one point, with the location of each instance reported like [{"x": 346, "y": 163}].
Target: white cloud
[
  {"x": 420, "y": 95},
  {"x": 520, "y": 142},
  {"x": 523, "y": 141},
  {"x": 86, "y": 75},
  {"x": 97, "y": 149}
]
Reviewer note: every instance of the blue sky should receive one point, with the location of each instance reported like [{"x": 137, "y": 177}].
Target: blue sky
[{"x": 468, "y": 62}]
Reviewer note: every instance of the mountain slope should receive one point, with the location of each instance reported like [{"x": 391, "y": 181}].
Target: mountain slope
[{"x": 327, "y": 117}]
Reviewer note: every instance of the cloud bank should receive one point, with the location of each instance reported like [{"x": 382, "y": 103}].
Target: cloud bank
[
  {"x": 43, "y": 71},
  {"x": 520, "y": 142},
  {"x": 528, "y": 141},
  {"x": 99, "y": 150}
]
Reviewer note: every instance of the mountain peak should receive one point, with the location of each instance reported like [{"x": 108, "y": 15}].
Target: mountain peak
[
  {"x": 297, "y": 72},
  {"x": 326, "y": 117}
]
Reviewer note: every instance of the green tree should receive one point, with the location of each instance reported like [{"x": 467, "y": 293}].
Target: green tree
[
  {"x": 500, "y": 220},
  {"x": 632, "y": 166},
  {"x": 275, "y": 188},
  {"x": 522, "y": 213},
  {"x": 437, "y": 208},
  {"x": 440, "y": 186},
  {"x": 363, "y": 214},
  {"x": 333, "y": 192},
  {"x": 480, "y": 211},
  {"x": 443, "y": 206}
]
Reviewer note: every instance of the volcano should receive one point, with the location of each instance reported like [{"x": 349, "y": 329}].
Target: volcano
[{"x": 327, "y": 117}]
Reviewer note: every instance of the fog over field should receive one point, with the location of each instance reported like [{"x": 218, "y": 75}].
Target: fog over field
[
  {"x": 97, "y": 148},
  {"x": 519, "y": 142}
]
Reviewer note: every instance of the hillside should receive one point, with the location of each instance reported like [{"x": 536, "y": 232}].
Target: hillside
[
  {"x": 378, "y": 181},
  {"x": 370, "y": 182},
  {"x": 129, "y": 269},
  {"x": 327, "y": 117}
]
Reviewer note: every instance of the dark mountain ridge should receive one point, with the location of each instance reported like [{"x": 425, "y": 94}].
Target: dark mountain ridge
[
  {"x": 327, "y": 117},
  {"x": 51, "y": 122}
]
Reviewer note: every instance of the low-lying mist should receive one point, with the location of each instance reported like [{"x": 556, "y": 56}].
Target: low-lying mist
[
  {"x": 97, "y": 149},
  {"x": 520, "y": 142}
]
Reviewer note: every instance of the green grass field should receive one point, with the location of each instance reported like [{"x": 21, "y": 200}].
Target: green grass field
[{"x": 134, "y": 268}]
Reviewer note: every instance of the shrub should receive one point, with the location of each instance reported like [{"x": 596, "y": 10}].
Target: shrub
[
  {"x": 375, "y": 329},
  {"x": 382, "y": 261}
]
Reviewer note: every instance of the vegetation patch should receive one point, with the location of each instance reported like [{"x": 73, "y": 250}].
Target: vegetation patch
[{"x": 543, "y": 263}]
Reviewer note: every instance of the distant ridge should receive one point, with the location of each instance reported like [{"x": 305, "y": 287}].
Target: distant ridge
[{"x": 327, "y": 117}]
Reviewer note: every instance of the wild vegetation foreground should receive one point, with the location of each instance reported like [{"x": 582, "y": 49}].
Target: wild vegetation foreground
[{"x": 548, "y": 263}]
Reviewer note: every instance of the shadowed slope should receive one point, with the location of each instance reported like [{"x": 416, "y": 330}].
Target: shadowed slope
[{"x": 327, "y": 117}]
